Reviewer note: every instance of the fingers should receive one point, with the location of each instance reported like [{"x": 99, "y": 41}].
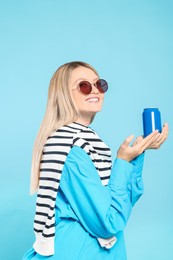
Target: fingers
[
  {"x": 152, "y": 141},
  {"x": 128, "y": 140},
  {"x": 165, "y": 131},
  {"x": 162, "y": 136},
  {"x": 140, "y": 144},
  {"x": 147, "y": 141},
  {"x": 159, "y": 139},
  {"x": 138, "y": 140}
]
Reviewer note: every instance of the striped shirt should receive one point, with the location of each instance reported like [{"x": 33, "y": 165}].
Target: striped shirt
[{"x": 55, "y": 152}]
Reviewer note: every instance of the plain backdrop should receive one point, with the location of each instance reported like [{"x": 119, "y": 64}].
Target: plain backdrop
[{"x": 130, "y": 43}]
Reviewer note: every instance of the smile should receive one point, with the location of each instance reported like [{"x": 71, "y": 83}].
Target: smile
[{"x": 92, "y": 100}]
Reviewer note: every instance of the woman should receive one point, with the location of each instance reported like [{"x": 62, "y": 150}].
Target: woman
[{"x": 83, "y": 202}]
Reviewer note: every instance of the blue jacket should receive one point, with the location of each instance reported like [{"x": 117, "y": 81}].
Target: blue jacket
[{"x": 85, "y": 210}]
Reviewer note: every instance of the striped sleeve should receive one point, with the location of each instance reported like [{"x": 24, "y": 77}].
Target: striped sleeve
[{"x": 54, "y": 155}]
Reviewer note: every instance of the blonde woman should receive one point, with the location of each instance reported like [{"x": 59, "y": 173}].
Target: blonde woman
[{"x": 83, "y": 201}]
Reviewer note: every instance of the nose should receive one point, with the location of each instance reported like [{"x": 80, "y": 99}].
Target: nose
[{"x": 94, "y": 89}]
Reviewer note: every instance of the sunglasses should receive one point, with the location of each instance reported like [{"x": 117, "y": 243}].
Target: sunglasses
[{"x": 85, "y": 87}]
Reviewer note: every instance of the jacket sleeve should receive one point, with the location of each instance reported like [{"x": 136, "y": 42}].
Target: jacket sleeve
[
  {"x": 103, "y": 211},
  {"x": 135, "y": 185}
]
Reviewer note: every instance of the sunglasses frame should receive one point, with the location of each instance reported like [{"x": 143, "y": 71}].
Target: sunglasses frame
[{"x": 102, "y": 88}]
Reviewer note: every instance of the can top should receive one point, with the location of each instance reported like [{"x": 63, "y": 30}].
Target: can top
[{"x": 151, "y": 109}]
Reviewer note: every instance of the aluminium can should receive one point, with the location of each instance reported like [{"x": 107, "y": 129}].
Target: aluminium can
[{"x": 151, "y": 120}]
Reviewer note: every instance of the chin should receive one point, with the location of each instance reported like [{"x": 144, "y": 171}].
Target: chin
[{"x": 95, "y": 112}]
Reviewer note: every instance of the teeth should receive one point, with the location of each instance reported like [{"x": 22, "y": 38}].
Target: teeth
[{"x": 93, "y": 99}]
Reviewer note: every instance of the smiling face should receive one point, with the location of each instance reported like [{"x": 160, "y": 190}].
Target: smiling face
[{"x": 87, "y": 105}]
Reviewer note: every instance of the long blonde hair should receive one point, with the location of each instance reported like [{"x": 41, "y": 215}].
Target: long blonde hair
[{"x": 60, "y": 110}]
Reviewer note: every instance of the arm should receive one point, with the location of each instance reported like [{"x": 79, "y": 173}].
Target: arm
[
  {"x": 135, "y": 184},
  {"x": 103, "y": 211}
]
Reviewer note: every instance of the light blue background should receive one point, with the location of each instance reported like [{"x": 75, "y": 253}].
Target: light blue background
[{"x": 130, "y": 43}]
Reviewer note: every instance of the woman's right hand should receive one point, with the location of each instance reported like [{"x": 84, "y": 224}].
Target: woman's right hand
[{"x": 129, "y": 152}]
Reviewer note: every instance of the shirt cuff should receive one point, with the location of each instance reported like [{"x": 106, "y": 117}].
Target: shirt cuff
[
  {"x": 107, "y": 242},
  {"x": 44, "y": 246}
]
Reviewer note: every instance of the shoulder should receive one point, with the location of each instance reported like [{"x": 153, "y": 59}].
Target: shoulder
[
  {"x": 78, "y": 162},
  {"x": 78, "y": 155},
  {"x": 65, "y": 134}
]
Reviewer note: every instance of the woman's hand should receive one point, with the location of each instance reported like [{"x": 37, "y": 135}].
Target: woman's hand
[
  {"x": 153, "y": 141},
  {"x": 161, "y": 138}
]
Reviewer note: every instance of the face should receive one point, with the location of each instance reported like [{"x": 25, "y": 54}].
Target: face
[{"x": 89, "y": 104}]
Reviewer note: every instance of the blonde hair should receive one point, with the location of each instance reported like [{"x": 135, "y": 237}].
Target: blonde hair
[{"x": 60, "y": 110}]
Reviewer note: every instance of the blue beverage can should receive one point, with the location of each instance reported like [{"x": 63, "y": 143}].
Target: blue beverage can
[{"x": 151, "y": 120}]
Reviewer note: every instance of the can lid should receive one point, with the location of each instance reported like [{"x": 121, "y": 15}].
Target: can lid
[{"x": 151, "y": 108}]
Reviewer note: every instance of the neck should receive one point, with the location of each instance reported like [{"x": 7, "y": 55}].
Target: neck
[{"x": 83, "y": 120}]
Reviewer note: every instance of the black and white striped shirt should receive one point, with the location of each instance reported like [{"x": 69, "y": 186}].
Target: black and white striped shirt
[{"x": 55, "y": 152}]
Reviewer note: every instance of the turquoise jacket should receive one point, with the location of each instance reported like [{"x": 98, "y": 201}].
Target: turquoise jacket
[{"x": 86, "y": 210}]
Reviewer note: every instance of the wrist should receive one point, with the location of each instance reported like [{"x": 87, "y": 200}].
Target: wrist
[{"x": 125, "y": 158}]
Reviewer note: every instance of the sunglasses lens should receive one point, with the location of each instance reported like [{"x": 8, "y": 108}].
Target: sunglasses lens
[
  {"x": 102, "y": 85},
  {"x": 85, "y": 87}
]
